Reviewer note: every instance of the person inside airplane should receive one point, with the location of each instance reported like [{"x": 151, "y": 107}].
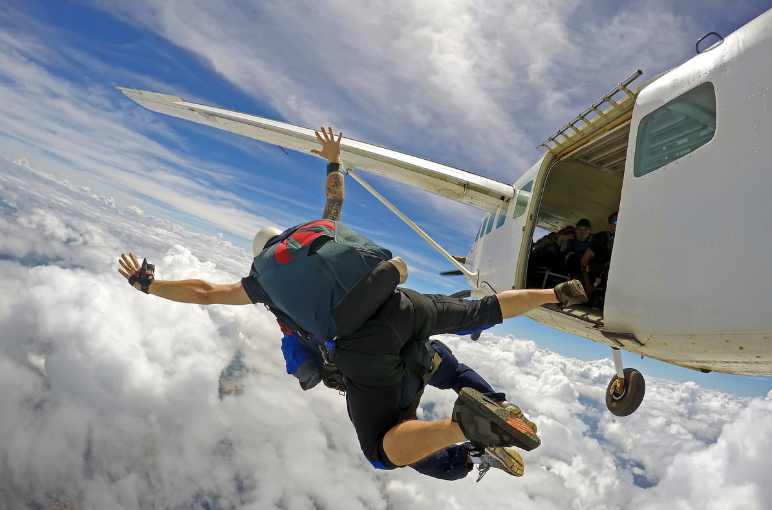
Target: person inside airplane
[
  {"x": 564, "y": 235},
  {"x": 545, "y": 251},
  {"x": 543, "y": 256},
  {"x": 572, "y": 250},
  {"x": 596, "y": 258}
]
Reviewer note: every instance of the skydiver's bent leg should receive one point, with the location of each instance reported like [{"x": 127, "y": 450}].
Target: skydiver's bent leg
[
  {"x": 454, "y": 375},
  {"x": 388, "y": 444},
  {"x": 451, "y": 463}
]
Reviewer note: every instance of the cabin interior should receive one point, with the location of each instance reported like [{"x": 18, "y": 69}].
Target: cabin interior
[{"x": 585, "y": 183}]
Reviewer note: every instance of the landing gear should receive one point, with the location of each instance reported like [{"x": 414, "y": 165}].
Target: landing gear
[{"x": 626, "y": 389}]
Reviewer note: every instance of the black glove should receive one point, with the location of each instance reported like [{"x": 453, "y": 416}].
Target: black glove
[
  {"x": 144, "y": 276},
  {"x": 332, "y": 378}
]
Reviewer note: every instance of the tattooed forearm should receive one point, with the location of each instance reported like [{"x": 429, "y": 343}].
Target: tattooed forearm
[
  {"x": 332, "y": 210},
  {"x": 334, "y": 191},
  {"x": 334, "y": 186}
]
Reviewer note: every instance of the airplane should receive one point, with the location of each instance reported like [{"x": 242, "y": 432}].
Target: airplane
[{"x": 685, "y": 160}]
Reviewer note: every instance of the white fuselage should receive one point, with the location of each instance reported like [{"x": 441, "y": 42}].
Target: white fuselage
[{"x": 690, "y": 276}]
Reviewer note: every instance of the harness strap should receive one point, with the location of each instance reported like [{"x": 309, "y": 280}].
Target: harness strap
[{"x": 409, "y": 413}]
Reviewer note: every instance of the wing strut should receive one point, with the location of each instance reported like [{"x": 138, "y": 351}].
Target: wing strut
[{"x": 472, "y": 277}]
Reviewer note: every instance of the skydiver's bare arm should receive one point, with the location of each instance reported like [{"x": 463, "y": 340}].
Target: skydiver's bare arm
[
  {"x": 334, "y": 187},
  {"x": 334, "y": 190},
  {"x": 188, "y": 291}
]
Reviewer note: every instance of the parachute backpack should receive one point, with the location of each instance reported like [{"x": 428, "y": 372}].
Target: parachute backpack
[{"x": 316, "y": 273}]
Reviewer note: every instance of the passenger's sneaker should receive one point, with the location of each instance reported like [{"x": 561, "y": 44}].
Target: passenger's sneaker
[
  {"x": 570, "y": 293},
  {"x": 505, "y": 459},
  {"x": 517, "y": 413},
  {"x": 487, "y": 424}
]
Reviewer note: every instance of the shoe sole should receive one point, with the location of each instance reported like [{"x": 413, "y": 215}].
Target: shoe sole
[
  {"x": 519, "y": 414},
  {"x": 510, "y": 458},
  {"x": 522, "y": 435}
]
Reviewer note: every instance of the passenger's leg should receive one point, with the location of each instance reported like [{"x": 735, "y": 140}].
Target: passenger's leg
[
  {"x": 454, "y": 375},
  {"x": 437, "y": 314},
  {"x": 411, "y": 441},
  {"x": 375, "y": 412},
  {"x": 451, "y": 463}
]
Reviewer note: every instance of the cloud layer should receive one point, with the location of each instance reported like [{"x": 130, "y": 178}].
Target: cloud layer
[{"x": 111, "y": 395}]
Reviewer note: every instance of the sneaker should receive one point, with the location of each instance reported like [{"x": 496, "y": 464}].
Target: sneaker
[
  {"x": 505, "y": 459},
  {"x": 570, "y": 293},
  {"x": 517, "y": 413},
  {"x": 487, "y": 424}
]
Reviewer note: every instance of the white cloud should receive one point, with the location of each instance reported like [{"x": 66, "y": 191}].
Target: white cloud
[{"x": 111, "y": 396}]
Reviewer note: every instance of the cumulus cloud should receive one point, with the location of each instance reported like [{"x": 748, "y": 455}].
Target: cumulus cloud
[{"x": 111, "y": 398}]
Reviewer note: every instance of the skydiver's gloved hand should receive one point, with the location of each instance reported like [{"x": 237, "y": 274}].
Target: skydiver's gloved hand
[
  {"x": 139, "y": 276},
  {"x": 330, "y": 146},
  {"x": 401, "y": 267},
  {"x": 570, "y": 293}
]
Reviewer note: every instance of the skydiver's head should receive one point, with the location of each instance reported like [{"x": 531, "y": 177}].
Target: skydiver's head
[
  {"x": 564, "y": 234},
  {"x": 612, "y": 222},
  {"x": 583, "y": 229},
  {"x": 262, "y": 237}
]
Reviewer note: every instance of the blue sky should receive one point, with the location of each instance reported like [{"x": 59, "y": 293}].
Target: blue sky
[{"x": 472, "y": 85}]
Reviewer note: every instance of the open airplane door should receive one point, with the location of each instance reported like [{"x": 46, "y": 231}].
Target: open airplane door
[{"x": 689, "y": 272}]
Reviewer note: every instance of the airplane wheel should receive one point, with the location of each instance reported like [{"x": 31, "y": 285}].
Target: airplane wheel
[{"x": 627, "y": 402}]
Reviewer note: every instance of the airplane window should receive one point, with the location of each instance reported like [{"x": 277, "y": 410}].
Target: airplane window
[
  {"x": 502, "y": 214},
  {"x": 484, "y": 224},
  {"x": 490, "y": 224},
  {"x": 480, "y": 230},
  {"x": 676, "y": 129},
  {"x": 523, "y": 196}
]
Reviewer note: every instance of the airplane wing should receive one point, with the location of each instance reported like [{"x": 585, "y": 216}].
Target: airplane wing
[{"x": 443, "y": 180}]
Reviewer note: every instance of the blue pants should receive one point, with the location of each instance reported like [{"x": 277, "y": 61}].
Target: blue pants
[{"x": 451, "y": 463}]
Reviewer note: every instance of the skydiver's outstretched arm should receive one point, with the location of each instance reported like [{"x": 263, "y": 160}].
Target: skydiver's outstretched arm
[
  {"x": 186, "y": 291},
  {"x": 334, "y": 187}
]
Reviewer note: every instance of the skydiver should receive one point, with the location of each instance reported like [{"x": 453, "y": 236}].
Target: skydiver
[{"x": 386, "y": 362}]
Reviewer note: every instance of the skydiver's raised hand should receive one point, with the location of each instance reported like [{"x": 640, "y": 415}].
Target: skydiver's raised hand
[
  {"x": 330, "y": 146},
  {"x": 140, "y": 276}
]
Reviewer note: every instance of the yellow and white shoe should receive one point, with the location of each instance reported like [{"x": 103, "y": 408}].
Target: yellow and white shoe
[{"x": 506, "y": 459}]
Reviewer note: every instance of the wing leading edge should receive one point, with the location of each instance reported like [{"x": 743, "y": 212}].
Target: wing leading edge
[{"x": 458, "y": 185}]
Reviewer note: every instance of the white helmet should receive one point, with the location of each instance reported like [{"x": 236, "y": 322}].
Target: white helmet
[{"x": 263, "y": 236}]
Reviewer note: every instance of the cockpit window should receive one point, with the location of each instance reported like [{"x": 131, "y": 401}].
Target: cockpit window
[{"x": 676, "y": 129}]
